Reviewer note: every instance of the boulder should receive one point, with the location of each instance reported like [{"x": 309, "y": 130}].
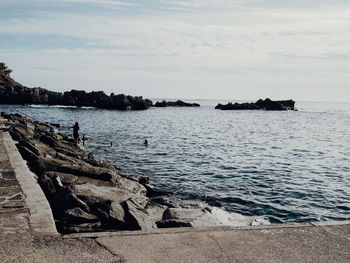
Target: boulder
[
  {"x": 27, "y": 154},
  {"x": 56, "y": 180},
  {"x": 30, "y": 146},
  {"x": 86, "y": 227},
  {"x": 78, "y": 216},
  {"x": 172, "y": 223},
  {"x": 47, "y": 186},
  {"x": 155, "y": 211},
  {"x": 44, "y": 164},
  {"x": 206, "y": 216},
  {"x": 169, "y": 201},
  {"x": 142, "y": 179},
  {"x": 113, "y": 194},
  {"x": 64, "y": 200},
  {"x": 112, "y": 201},
  {"x": 153, "y": 191},
  {"x": 137, "y": 217},
  {"x": 117, "y": 217}
]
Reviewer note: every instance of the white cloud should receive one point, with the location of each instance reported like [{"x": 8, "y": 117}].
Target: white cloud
[
  {"x": 108, "y": 2},
  {"x": 309, "y": 34},
  {"x": 241, "y": 53}
]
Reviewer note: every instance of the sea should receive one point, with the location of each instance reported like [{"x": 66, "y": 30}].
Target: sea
[{"x": 285, "y": 166}]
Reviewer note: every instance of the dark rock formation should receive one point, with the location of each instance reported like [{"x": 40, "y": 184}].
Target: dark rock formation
[
  {"x": 267, "y": 104},
  {"x": 178, "y": 103},
  {"x": 11, "y": 92}
]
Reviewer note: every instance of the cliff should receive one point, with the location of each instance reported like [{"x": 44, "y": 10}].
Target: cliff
[{"x": 11, "y": 92}]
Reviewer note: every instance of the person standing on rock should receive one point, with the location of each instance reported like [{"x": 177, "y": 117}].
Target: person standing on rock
[{"x": 76, "y": 132}]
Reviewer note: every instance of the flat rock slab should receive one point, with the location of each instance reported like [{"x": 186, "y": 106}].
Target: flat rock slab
[
  {"x": 7, "y": 182},
  {"x": 10, "y": 191},
  {"x": 14, "y": 204},
  {"x": 267, "y": 244}
]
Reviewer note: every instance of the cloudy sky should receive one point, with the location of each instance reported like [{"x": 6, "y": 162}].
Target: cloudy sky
[{"x": 215, "y": 49}]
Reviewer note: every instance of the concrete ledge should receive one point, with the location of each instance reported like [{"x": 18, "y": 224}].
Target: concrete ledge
[
  {"x": 41, "y": 218},
  {"x": 331, "y": 223},
  {"x": 202, "y": 229}
]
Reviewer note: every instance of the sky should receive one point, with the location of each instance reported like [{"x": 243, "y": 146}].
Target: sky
[{"x": 198, "y": 49}]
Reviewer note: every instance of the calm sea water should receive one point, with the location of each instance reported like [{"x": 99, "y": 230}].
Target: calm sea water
[{"x": 286, "y": 166}]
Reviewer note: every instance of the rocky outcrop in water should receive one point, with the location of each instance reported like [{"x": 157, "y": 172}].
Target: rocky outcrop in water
[
  {"x": 178, "y": 103},
  {"x": 87, "y": 195},
  {"x": 11, "y": 92},
  {"x": 267, "y": 104}
]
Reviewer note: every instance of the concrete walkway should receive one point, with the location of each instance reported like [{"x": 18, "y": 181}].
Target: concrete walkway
[{"x": 28, "y": 234}]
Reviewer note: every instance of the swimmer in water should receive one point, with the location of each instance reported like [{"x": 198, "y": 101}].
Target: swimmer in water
[{"x": 146, "y": 143}]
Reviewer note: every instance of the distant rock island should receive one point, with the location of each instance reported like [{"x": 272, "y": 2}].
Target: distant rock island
[
  {"x": 11, "y": 92},
  {"x": 178, "y": 103},
  {"x": 267, "y": 104}
]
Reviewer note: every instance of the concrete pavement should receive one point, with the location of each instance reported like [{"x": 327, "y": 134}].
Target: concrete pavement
[{"x": 270, "y": 244}]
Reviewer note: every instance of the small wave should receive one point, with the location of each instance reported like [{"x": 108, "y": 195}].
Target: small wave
[{"x": 58, "y": 106}]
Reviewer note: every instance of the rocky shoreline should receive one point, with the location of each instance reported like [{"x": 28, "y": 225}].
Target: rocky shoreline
[
  {"x": 87, "y": 195},
  {"x": 267, "y": 104},
  {"x": 11, "y": 92}
]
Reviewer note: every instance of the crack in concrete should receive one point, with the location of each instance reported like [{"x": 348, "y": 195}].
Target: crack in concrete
[{"x": 121, "y": 258}]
